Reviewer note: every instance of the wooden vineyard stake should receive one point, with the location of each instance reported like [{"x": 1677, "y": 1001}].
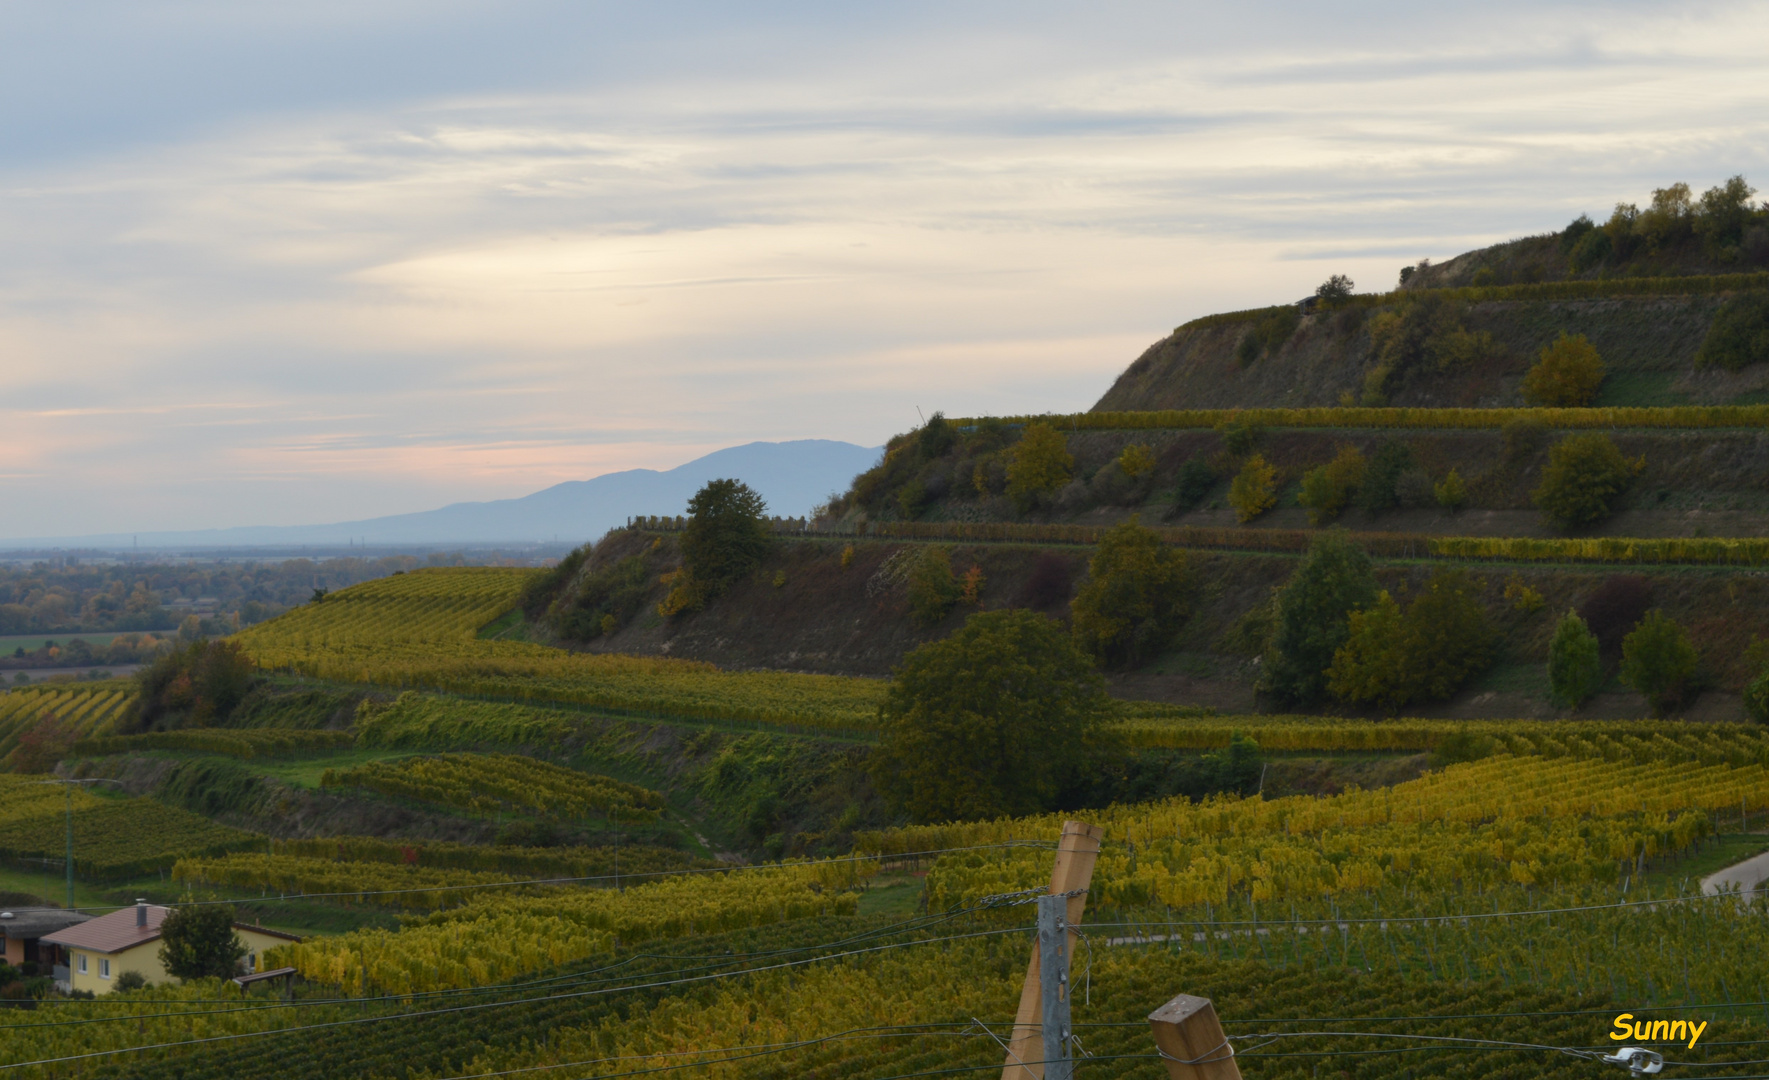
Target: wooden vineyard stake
[
  {"x": 1076, "y": 853},
  {"x": 1191, "y": 1041}
]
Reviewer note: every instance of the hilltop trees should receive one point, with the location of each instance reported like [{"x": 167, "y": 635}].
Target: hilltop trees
[
  {"x": 1310, "y": 619},
  {"x": 1137, "y": 594},
  {"x": 991, "y": 721},
  {"x": 1567, "y": 375},
  {"x": 725, "y": 539}
]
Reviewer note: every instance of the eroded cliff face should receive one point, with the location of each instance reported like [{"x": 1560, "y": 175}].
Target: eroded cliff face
[{"x": 1649, "y": 345}]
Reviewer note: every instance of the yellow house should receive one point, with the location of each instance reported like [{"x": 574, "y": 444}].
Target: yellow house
[{"x": 101, "y": 950}]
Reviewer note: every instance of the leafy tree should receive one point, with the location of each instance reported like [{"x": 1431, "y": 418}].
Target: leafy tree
[
  {"x": 199, "y": 943},
  {"x": 935, "y": 438},
  {"x": 1723, "y": 213},
  {"x": 1584, "y": 475},
  {"x": 933, "y": 589},
  {"x": 46, "y": 742},
  {"x": 1426, "y": 654},
  {"x": 1575, "y": 662},
  {"x": 1739, "y": 335},
  {"x": 1334, "y": 291},
  {"x": 1658, "y": 661},
  {"x": 726, "y": 536},
  {"x": 1566, "y": 375},
  {"x": 1451, "y": 492},
  {"x": 1136, "y": 596},
  {"x": 1041, "y": 464},
  {"x": 991, "y": 721},
  {"x": 1327, "y": 490},
  {"x": 1379, "y": 490},
  {"x": 1254, "y": 489},
  {"x": 1310, "y": 620},
  {"x": 1239, "y": 437}
]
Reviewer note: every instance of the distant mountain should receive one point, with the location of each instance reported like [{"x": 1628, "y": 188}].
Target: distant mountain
[{"x": 792, "y": 476}]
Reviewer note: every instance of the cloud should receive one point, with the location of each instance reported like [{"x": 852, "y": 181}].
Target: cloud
[{"x": 320, "y": 263}]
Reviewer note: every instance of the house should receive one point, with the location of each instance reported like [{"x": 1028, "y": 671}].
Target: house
[
  {"x": 101, "y": 950},
  {"x": 21, "y": 930}
]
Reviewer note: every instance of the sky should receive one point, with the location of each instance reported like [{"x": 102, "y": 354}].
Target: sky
[{"x": 285, "y": 264}]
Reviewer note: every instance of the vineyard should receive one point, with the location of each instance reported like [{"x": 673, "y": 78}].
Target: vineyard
[
  {"x": 112, "y": 838},
  {"x": 232, "y": 742},
  {"x": 419, "y": 630},
  {"x": 496, "y": 783},
  {"x": 511, "y": 862},
  {"x": 78, "y": 708}
]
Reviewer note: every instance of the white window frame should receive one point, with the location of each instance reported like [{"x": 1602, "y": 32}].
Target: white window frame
[
  {"x": 104, "y": 967},
  {"x": 82, "y": 963}
]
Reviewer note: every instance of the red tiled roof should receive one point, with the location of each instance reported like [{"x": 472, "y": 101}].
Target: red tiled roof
[
  {"x": 117, "y": 931},
  {"x": 111, "y": 933}
]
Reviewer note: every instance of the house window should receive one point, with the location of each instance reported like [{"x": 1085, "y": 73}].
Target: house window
[
  {"x": 82, "y": 963},
  {"x": 104, "y": 969},
  {"x": 251, "y": 962}
]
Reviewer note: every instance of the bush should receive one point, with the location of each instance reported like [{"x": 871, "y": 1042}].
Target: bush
[
  {"x": 1585, "y": 473},
  {"x": 1381, "y": 483},
  {"x": 1566, "y": 376},
  {"x": 1310, "y": 619},
  {"x": 199, "y": 943},
  {"x": 1041, "y": 464},
  {"x": 1739, "y": 335},
  {"x": 1327, "y": 490},
  {"x": 130, "y": 980},
  {"x": 1239, "y": 437},
  {"x": 1136, "y": 460},
  {"x": 1451, "y": 492},
  {"x": 1391, "y": 659},
  {"x": 1615, "y": 607},
  {"x": 202, "y": 682},
  {"x": 726, "y": 536},
  {"x": 1195, "y": 480},
  {"x": 1254, "y": 489},
  {"x": 1575, "y": 663},
  {"x": 1756, "y": 697},
  {"x": 1137, "y": 595},
  {"x": 1594, "y": 247},
  {"x": 957, "y": 747},
  {"x": 933, "y": 590},
  {"x": 1659, "y": 661}
]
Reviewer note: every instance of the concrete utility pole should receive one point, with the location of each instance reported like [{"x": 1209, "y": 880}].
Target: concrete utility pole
[
  {"x": 1053, "y": 954},
  {"x": 68, "y": 862}
]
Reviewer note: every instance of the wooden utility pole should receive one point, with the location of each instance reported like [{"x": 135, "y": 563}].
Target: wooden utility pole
[
  {"x": 1076, "y": 853},
  {"x": 1191, "y": 1041}
]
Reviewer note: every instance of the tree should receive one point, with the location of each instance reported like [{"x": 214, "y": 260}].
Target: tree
[
  {"x": 1379, "y": 490},
  {"x": 1334, "y": 291},
  {"x": 1567, "y": 374},
  {"x": 1041, "y": 463},
  {"x": 1194, "y": 481},
  {"x": 46, "y": 742},
  {"x": 1575, "y": 662},
  {"x": 991, "y": 721},
  {"x": 1254, "y": 489},
  {"x": 1328, "y": 489},
  {"x": 1756, "y": 697},
  {"x": 1310, "y": 619},
  {"x": 726, "y": 536},
  {"x": 1136, "y": 596},
  {"x": 1584, "y": 474},
  {"x": 1723, "y": 213},
  {"x": 1739, "y": 335},
  {"x": 198, "y": 942},
  {"x": 1659, "y": 661},
  {"x": 933, "y": 589},
  {"x": 1451, "y": 492},
  {"x": 1136, "y": 460},
  {"x": 1391, "y": 659}
]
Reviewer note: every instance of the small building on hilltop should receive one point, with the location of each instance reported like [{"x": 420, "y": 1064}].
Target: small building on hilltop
[
  {"x": 21, "y": 931},
  {"x": 100, "y": 951}
]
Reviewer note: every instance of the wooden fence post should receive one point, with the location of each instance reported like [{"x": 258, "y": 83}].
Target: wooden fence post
[
  {"x": 1076, "y": 853},
  {"x": 1191, "y": 1041}
]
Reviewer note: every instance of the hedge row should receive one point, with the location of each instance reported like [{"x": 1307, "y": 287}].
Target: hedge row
[
  {"x": 1693, "y": 285},
  {"x": 1675, "y": 416}
]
